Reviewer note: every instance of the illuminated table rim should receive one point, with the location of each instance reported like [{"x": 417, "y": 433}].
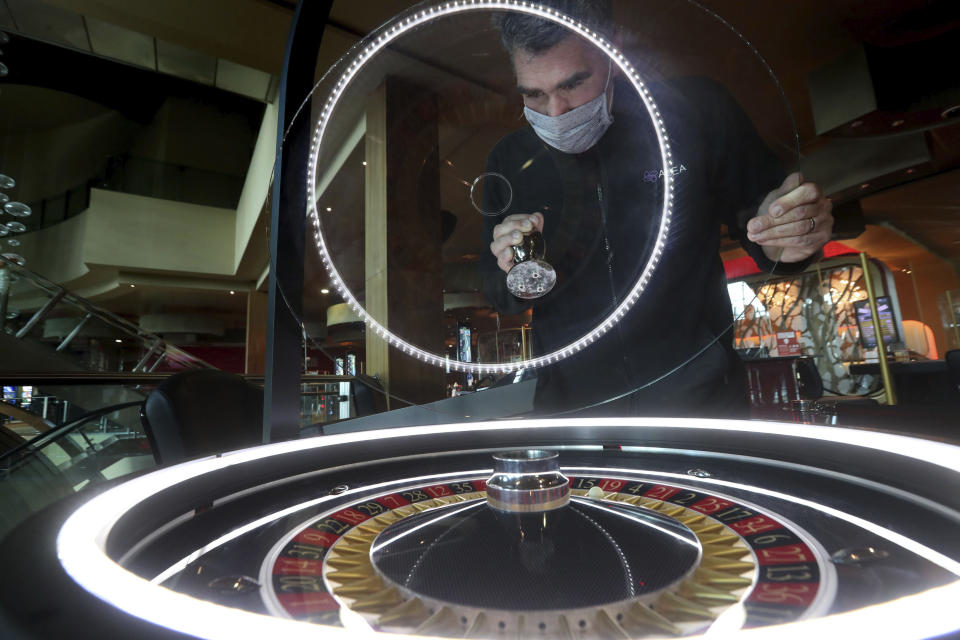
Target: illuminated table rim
[{"x": 82, "y": 539}]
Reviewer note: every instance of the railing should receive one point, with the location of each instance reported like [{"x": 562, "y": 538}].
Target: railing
[
  {"x": 39, "y": 411},
  {"x": 111, "y": 442},
  {"x": 144, "y": 177},
  {"x": 69, "y": 458},
  {"x": 60, "y": 302},
  {"x": 10, "y": 459},
  {"x": 50, "y": 211},
  {"x": 324, "y": 398}
]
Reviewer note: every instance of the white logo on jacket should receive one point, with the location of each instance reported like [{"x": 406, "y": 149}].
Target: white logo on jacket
[{"x": 654, "y": 175}]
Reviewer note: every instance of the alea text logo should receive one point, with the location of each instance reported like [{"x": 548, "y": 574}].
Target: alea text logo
[{"x": 654, "y": 174}]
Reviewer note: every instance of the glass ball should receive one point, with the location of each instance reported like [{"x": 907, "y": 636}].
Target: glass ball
[{"x": 17, "y": 209}]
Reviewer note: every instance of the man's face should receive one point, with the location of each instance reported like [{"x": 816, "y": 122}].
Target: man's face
[{"x": 564, "y": 77}]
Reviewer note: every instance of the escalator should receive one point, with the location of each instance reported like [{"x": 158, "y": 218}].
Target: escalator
[
  {"x": 28, "y": 301},
  {"x": 70, "y": 457}
]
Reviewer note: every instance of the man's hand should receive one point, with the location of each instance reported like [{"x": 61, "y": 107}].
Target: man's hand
[
  {"x": 795, "y": 217},
  {"x": 509, "y": 233}
]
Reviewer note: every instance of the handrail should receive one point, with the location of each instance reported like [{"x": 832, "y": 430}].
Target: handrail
[
  {"x": 60, "y": 431},
  {"x": 113, "y": 176},
  {"x": 44, "y": 209},
  {"x": 58, "y": 293},
  {"x": 32, "y": 419},
  {"x": 170, "y": 181}
]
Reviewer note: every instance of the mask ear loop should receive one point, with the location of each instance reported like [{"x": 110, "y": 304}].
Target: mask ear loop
[{"x": 608, "y": 99}]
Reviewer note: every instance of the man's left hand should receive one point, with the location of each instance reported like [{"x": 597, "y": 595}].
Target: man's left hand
[{"x": 795, "y": 217}]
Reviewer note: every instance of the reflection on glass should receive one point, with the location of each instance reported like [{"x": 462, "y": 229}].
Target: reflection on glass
[
  {"x": 6, "y": 182},
  {"x": 463, "y": 116},
  {"x": 464, "y": 343},
  {"x": 4, "y": 198},
  {"x": 949, "y": 305},
  {"x": 15, "y": 258},
  {"x": 864, "y": 315},
  {"x": 4, "y": 71},
  {"x": 507, "y": 345},
  {"x": 13, "y": 242},
  {"x": 351, "y": 364},
  {"x": 16, "y": 227},
  {"x": 812, "y": 314},
  {"x": 490, "y": 181},
  {"x": 409, "y": 148}
]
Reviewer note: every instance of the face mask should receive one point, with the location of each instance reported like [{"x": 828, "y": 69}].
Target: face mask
[{"x": 576, "y": 130}]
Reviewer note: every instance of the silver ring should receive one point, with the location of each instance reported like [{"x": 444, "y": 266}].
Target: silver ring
[{"x": 813, "y": 225}]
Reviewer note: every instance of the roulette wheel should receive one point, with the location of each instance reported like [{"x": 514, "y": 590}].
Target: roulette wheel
[
  {"x": 552, "y": 527},
  {"x": 557, "y": 528}
]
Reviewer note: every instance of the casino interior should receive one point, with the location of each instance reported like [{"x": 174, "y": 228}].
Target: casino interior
[{"x": 267, "y": 372}]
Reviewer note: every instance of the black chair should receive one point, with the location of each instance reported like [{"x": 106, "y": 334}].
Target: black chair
[
  {"x": 202, "y": 412},
  {"x": 368, "y": 396},
  {"x": 952, "y": 358},
  {"x": 809, "y": 382}
]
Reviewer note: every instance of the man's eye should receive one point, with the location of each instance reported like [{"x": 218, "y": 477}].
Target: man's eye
[{"x": 571, "y": 86}]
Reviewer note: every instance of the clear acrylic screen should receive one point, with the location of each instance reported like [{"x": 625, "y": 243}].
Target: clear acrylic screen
[{"x": 424, "y": 149}]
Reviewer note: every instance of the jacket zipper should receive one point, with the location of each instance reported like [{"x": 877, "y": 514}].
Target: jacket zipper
[{"x": 613, "y": 290}]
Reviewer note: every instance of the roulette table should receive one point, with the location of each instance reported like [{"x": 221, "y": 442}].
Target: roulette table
[{"x": 592, "y": 528}]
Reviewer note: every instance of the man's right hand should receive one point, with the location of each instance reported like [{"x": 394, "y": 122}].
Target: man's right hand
[{"x": 509, "y": 233}]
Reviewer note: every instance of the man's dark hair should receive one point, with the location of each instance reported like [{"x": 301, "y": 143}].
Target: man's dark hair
[{"x": 524, "y": 32}]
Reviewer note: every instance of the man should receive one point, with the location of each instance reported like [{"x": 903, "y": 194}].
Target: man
[{"x": 585, "y": 174}]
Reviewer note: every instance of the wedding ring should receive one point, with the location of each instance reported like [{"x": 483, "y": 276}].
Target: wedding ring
[{"x": 813, "y": 225}]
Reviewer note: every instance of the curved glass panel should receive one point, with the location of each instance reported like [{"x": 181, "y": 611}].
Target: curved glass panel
[{"x": 499, "y": 190}]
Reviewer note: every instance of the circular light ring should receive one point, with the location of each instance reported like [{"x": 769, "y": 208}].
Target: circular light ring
[
  {"x": 81, "y": 541},
  {"x": 391, "y": 33}
]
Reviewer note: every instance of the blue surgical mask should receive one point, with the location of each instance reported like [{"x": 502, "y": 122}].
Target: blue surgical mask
[{"x": 578, "y": 129}]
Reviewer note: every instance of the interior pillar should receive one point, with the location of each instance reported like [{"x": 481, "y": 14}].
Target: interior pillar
[{"x": 402, "y": 244}]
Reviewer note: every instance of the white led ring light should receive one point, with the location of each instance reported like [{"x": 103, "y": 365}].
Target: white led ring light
[{"x": 423, "y": 16}]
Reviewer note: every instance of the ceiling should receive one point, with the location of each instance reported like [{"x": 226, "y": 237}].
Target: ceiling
[
  {"x": 192, "y": 39},
  {"x": 69, "y": 24}
]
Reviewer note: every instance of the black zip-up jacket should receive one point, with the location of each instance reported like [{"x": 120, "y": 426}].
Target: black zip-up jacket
[{"x": 672, "y": 353}]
